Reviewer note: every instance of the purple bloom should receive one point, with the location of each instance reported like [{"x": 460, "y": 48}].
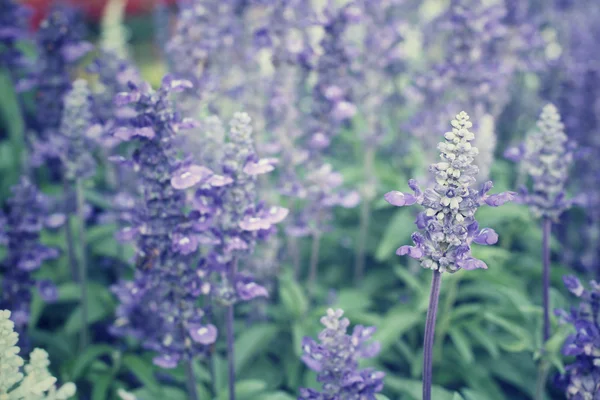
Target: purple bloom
[
  {"x": 582, "y": 377},
  {"x": 547, "y": 159},
  {"x": 203, "y": 334},
  {"x": 27, "y": 210},
  {"x": 335, "y": 359},
  {"x": 448, "y": 223},
  {"x": 13, "y": 28},
  {"x": 160, "y": 304}
]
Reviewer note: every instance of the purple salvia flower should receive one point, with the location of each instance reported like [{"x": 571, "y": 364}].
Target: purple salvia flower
[
  {"x": 450, "y": 205},
  {"x": 27, "y": 210},
  {"x": 13, "y": 29},
  {"x": 335, "y": 358},
  {"x": 448, "y": 226},
  {"x": 75, "y": 154},
  {"x": 159, "y": 306},
  {"x": 581, "y": 380},
  {"x": 547, "y": 159},
  {"x": 61, "y": 46}
]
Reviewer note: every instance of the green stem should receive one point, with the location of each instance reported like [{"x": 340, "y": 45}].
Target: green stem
[
  {"x": 69, "y": 235},
  {"x": 314, "y": 263},
  {"x": 80, "y": 201},
  {"x": 365, "y": 215},
  {"x": 540, "y": 386}
]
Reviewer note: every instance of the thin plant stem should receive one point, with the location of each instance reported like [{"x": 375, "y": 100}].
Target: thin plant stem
[
  {"x": 434, "y": 296},
  {"x": 542, "y": 376},
  {"x": 314, "y": 263},
  {"x": 547, "y": 229},
  {"x": 365, "y": 215},
  {"x": 190, "y": 380},
  {"x": 69, "y": 236},
  {"x": 80, "y": 203},
  {"x": 229, "y": 322}
]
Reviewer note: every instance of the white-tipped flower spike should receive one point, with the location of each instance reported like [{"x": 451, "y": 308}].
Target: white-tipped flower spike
[
  {"x": 547, "y": 158},
  {"x": 486, "y": 143},
  {"x": 37, "y": 383},
  {"x": 114, "y": 34}
]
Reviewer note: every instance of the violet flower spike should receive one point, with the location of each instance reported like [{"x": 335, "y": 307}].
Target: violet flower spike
[{"x": 448, "y": 226}]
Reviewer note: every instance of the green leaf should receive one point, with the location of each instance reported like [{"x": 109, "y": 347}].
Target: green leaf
[
  {"x": 396, "y": 234},
  {"x": 462, "y": 345},
  {"x": 293, "y": 298},
  {"x": 396, "y": 322},
  {"x": 524, "y": 340},
  {"x": 245, "y": 390},
  {"x": 251, "y": 343},
  {"x": 414, "y": 388},
  {"x": 278, "y": 396},
  {"x": 484, "y": 339},
  {"x": 457, "y": 396},
  {"x": 352, "y": 300},
  {"x": 143, "y": 370},
  {"x": 101, "y": 387},
  {"x": 84, "y": 359}
]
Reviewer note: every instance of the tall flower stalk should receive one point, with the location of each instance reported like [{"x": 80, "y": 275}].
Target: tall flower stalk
[
  {"x": 335, "y": 358},
  {"x": 78, "y": 165},
  {"x": 239, "y": 220},
  {"x": 160, "y": 306},
  {"x": 546, "y": 158},
  {"x": 448, "y": 226}
]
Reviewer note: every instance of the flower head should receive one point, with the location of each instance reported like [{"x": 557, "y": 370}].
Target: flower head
[
  {"x": 32, "y": 381},
  {"x": 547, "y": 158},
  {"x": 448, "y": 225},
  {"x": 335, "y": 359},
  {"x": 582, "y": 377}
]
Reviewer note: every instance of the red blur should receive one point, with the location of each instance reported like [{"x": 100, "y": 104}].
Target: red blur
[{"x": 91, "y": 8}]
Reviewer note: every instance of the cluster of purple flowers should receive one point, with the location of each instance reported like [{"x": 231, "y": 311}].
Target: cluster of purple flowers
[
  {"x": 159, "y": 306},
  {"x": 26, "y": 217},
  {"x": 61, "y": 45},
  {"x": 13, "y": 23},
  {"x": 547, "y": 156},
  {"x": 448, "y": 222},
  {"x": 335, "y": 359},
  {"x": 582, "y": 378}
]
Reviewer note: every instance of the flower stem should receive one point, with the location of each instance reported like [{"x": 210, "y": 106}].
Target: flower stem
[
  {"x": 542, "y": 376},
  {"x": 365, "y": 215},
  {"x": 547, "y": 229},
  {"x": 230, "y": 337},
  {"x": 69, "y": 235},
  {"x": 80, "y": 201},
  {"x": 190, "y": 379},
  {"x": 434, "y": 296},
  {"x": 314, "y": 263}
]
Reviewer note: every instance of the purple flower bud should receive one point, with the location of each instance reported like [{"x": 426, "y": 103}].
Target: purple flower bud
[
  {"x": 496, "y": 200},
  {"x": 471, "y": 264},
  {"x": 573, "y": 284},
  {"x": 399, "y": 199},
  {"x": 124, "y": 98},
  {"x": 184, "y": 244},
  {"x": 203, "y": 334},
  {"x": 486, "y": 236},
  {"x": 48, "y": 290},
  {"x": 219, "y": 181},
  {"x": 260, "y": 167},
  {"x": 167, "y": 361},
  {"x": 250, "y": 290},
  {"x": 350, "y": 200},
  {"x": 189, "y": 176},
  {"x": 411, "y": 251},
  {"x": 75, "y": 51},
  {"x": 343, "y": 110}
]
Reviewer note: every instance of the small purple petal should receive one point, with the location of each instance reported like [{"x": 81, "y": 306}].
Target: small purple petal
[
  {"x": 184, "y": 244},
  {"x": 486, "y": 236},
  {"x": 399, "y": 199},
  {"x": 343, "y": 110},
  {"x": 252, "y": 224},
  {"x": 471, "y": 264},
  {"x": 319, "y": 141},
  {"x": 411, "y": 251},
  {"x": 203, "y": 334},
  {"x": 574, "y": 285},
  {"x": 125, "y": 98},
  {"x": 262, "y": 166},
  {"x": 496, "y": 200},
  {"x": 350, "y": 200},
  {"x": 166, "y": 361},
  {"x": 276, "y": 214},
  {"x": 47, "y": 290},
  {"x": 55, "y": 220},
  {"x": 126, "y": 234},
  {"x": 189, "y": 176},
  {"x": 219, "y": 180},
  {"x": 73, "y": 52},
  {"x": 251, "y": 290},
  {"x": 123, "y": 133}
]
